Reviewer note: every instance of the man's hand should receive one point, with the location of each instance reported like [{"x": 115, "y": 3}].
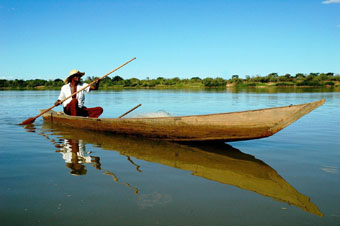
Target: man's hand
[
  {"x": 58, "y": 102},
  {"x": 95, "y": 85}
]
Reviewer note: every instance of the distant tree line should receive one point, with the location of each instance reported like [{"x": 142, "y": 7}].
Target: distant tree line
[
  {"x": 299, "y": 79},
  {"x": 30, "y": 84},
  {"x": 272, "y": 79}
]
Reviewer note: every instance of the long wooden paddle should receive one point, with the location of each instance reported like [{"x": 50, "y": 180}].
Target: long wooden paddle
[
  {"x": 130, "y": 110},
  {"x": 31, "y": 120}
]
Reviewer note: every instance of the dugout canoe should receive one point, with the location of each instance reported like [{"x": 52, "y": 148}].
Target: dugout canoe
[
  {"x": 215, "y": 161},
  {"x": 233, "y": 126}
]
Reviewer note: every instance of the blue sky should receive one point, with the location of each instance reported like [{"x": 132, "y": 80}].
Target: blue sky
[{"x": 208, "y": 38}]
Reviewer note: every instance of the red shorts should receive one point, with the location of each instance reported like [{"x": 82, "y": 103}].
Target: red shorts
[{"x": 73, "y": 109}]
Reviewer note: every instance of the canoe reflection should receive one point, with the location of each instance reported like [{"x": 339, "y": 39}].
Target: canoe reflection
[{"x": 214, "y": 161}]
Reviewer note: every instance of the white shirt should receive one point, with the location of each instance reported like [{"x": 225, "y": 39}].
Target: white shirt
[
  {"x": 68, "y": 155},
  {"x": 66, "y": 92}
]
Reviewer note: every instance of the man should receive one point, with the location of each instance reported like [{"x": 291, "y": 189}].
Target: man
[{"x": 75, "y": 105}]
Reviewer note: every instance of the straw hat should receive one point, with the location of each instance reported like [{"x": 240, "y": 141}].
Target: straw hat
[{"x": 72, "y": 73}]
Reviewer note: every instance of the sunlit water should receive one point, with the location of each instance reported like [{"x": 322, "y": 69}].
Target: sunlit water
[{"x": 58, "y": 176}]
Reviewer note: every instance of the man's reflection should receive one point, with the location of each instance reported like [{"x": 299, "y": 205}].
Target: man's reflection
[
  {"x": 73, "y": 152},
  {"x": 75, "y": 156}
]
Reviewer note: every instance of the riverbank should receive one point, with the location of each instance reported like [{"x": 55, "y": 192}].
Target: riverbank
[
  {"x": 335, "y": 86},
  {"x": 117, "y": 82}
]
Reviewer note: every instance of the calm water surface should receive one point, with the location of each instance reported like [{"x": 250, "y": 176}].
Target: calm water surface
[{"x": 58, "y": 176}]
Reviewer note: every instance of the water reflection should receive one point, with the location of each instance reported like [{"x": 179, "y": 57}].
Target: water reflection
[
  {"x": 75, "y": 156},
  {"x": 73, "y": 152},
  {"x": 213, "y": 161}
]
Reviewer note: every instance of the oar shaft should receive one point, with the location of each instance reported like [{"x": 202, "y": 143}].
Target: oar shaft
[{"x": 130, "y": 110}]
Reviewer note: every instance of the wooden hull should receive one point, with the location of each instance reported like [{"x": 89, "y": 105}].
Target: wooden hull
[
  {"x": 214, "y": 161},
  {"x": 233, "y": 126}
]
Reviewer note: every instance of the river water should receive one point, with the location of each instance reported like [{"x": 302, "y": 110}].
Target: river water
[{"x": 59, "y": 176}]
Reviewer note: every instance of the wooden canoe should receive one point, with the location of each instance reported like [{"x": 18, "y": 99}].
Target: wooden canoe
[
  {"x": 232, "y": 126},
  {"x": 214, "y": 161}
]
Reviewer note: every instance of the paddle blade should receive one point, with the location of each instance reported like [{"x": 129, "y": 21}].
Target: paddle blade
[{"x": 27, "y": 121}]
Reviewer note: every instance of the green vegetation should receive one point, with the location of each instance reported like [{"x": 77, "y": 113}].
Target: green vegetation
[
  {"x": 30, "y": 84},
  {"x": 273, "y": 79}
]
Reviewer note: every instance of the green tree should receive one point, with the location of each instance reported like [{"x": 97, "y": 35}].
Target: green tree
[
  {"x": 160, "y": 80},
  {"x": 300, "y": 76},
  {"x": 19, "y": 83},
  {"x": 195, "y": 79},
  {"x": 117, "y": 80},
  {"x": 220, "y": 81},
  {"x": 209, "y": 82},
  {"x": 273, "y": 77},
  {"x": 58, "y": 82},
  {"x": 3, "y": 83},
  {"x": 105, "y": 82},
  {"x": 134, "y": 82}
]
